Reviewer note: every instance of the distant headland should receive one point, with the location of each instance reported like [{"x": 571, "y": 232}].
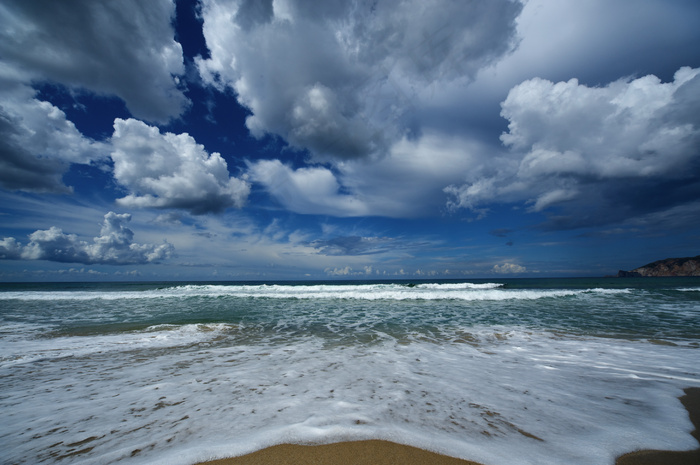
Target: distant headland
[{"x": 688, "y": 266}]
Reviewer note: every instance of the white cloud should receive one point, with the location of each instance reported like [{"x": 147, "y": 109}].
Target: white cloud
[
  {"x": 508, "y": 268},
  {"x": 114, "y": 246},
  {"x": 124, "y": 48},
  {"x": 237, "y": 246},
  {"x": 599, "y": 148},
  {"x": 385, "y": 96},
  {"x": 623, "y": 129},
  {"x": 305, "y": 190},
  {"x": 337, "y": 78},
  {"x": 406, "y": 183},
  {"x": 346, "y": 271},
  {"x": 37, "y": 142},
  {"x": 349, "y": 271},
  {"x": 171, "y": 171},
  {"x": 10, "y": 249}
]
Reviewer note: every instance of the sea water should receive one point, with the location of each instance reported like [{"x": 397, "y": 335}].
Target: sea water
[{"x": 531, "y": 371}]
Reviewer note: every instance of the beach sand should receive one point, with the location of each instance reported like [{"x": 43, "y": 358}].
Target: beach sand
[
  {"x": 375, "y": 452},
  {"x": 372, "y": 452}
]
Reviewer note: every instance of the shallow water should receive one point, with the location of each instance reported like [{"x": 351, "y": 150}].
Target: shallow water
[{"x": 527, "y": 371}]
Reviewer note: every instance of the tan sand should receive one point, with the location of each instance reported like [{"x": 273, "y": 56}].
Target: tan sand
[
  {"x": 372, "y": 452},
  {"x": 376, "y": 452}
]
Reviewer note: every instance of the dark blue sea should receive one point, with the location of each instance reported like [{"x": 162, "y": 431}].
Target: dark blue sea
[{"x": 528, "y": 371}]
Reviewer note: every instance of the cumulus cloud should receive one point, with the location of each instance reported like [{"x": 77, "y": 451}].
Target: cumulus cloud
[
  {"x": 508, "y": 268},
  {"x": 597, "y": 154},
  {"x": 312, "y": 190},
  {"x": 114, "y": 246},
  {"x": 123, "y": 48},
  {"x": 407, "y": 182},
  {"x": 37, "y": 142},
  {"x": 346, "y": 271},
  {"x": 10, "y": 249},
  {"x": 349, "y": 271},
  {"x": 171, "y": 171},
  {"x": 336, "y": 78}
]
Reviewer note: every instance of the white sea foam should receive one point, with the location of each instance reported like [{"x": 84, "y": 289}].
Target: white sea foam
[
  {"x": 587, "y": 399},
  {"x": 19, "y": 348}
]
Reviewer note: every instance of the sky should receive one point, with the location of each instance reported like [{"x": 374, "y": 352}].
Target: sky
[{"x": 367, "y": 139}]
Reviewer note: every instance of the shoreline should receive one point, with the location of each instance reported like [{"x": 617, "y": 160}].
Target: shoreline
[{"x": 380, "y": 452}]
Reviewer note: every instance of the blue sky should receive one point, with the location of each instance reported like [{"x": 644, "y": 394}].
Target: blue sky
[{"x": 290, "y": 139}]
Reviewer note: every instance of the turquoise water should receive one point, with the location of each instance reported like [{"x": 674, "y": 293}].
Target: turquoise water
[{"x": 180, "y": 372}]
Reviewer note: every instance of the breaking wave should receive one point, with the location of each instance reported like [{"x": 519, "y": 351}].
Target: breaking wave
[{"x": 426, "y": 291}]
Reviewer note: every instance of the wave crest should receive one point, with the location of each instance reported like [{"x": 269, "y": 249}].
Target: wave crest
[{"x": 425, "y": 291}]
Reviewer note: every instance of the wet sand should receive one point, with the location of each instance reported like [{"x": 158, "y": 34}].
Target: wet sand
[{"x": 375, "y": 452}]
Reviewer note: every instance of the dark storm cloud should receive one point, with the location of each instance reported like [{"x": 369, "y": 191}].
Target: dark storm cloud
[
  {"x": 37, "y": 142},
  {"x": 336, "y": 78},
  {"x": 20, "y": 170},
  {"x": 124, "y": 48}
]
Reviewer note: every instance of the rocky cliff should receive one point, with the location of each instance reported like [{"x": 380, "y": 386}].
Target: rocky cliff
[{"x": 689, "y": 266}]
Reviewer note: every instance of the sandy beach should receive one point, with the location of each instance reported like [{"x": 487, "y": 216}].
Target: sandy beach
[
  {"x": 373, "y": 452},
  {"x": 376, "y": 452}
]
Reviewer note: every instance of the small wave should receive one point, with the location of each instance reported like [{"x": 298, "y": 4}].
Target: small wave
[
  {"x": 462, "y": 291},
  {"x": 373, "y": 292},
  {"x": 80, "y": 295},
  {"x": 156, "y": 336},
  {"x": 600, "y": 290},
  {"x": 460, "y": 286},
  {"x": 425, "y": 291}
]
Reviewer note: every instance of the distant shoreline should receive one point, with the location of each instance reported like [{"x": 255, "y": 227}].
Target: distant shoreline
[{"x": 685, "y": 267}]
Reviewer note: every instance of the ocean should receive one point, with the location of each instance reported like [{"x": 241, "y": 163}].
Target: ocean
[{"x": 500, "y": 371}]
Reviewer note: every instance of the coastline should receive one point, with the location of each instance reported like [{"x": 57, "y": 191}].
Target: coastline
[{"x": 379, "y": 452}]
